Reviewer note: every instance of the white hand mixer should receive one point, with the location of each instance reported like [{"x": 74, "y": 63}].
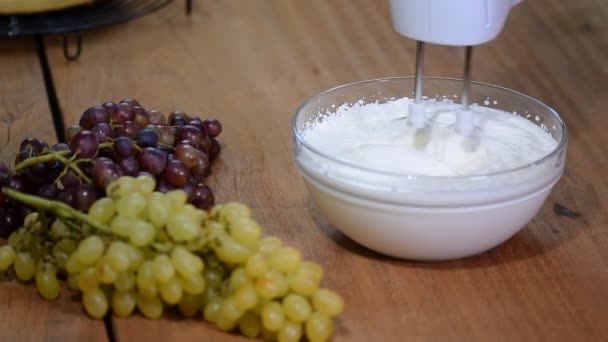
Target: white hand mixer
[{"x": 448, "y": 22}]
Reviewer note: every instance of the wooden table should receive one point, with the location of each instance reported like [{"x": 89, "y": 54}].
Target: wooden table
[{"x": 250, "y": 64}]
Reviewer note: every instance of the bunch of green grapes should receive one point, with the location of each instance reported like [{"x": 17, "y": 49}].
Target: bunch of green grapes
[{"x": 146, "y": 251}]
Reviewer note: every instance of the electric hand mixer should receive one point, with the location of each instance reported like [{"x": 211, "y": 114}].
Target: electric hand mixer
[{"x": 446, "y": 22}]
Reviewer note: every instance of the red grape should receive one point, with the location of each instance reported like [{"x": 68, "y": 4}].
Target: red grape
[
  {"x": 189, "y": 133},
  {"x": 147, "y": 138},
  {"x": 68, "y": 196},
  {"x": 3, "y": 168},
  {"x": 201, "y": 169},
  {"x": 103, "y": 132},
  {"x": 213, "y": 126},
  {"x": 124, "y": 112},
  {"x": 142, "y": 118},
  {"x": 130, "y": 101},
  {"x": 84, "y": 144},
  {"x": 104, "y": 173},
  {"x": 9, "y": 220},
  {"x": 71, "y": 131},
  {"x": 93, "y": 116},
  {"x": 176, "y": 173},
  {"x": 157, "y": 118},
  {"x": 129, "y": 166},
  {"x": 202, "y": 196},
  {"x": 123, "y": 147},
  {"x": 48, "y": 191},
  {"x": 84, "y": 196},
  {"x": 126, "y": 129},
  {"x": 152, "y": 160},
  {"x": 214, "y": 150},
  {"x": 187, "y": 154},
  {"x": 60, "y": 147}
]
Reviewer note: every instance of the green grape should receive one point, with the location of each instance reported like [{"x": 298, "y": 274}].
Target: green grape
[
  {"x": 142, "y": 233},
  {"x": 303, "y": 283},
  {"x": 328, "y": 302},
  {"x": 144, "y": 185},
  {"x": 145, "y": 275},
  {"x": 58, "y": 229},
  {"x": 269, "y": 244},
  {"x": 236, "y": 210},
  {"x": 158, "y": 209},
  {"x": 268, "y": 335},
  {"x": 67, "y": 246},
  {"x": 24, "y": 266},
  {"x": 229, "y": 310},
  {"x": 122, "y": 187},
  {"x": 125, "y": 281},
  {"x": 193, "y": 213},
  {"x": 296, "y": 308},
  {"x": 131, "y": 205},
  {"x": 194, "y": 284},
  {"x": 272, "y": 316},
  {"x": 176, "y": 199},
  {"x": 186, "y": 263},
  {"x": 101, "y": 210},
  {"x": 118, "y": 256},
  {"x": 105, "y": 272},
  {"x": 87, "y": 279},
  {"x": 250, "y": 324},
  {"x": 7, "y": 256},
  {"x": 256, "y": 265},
  {"x": 95, "y": 302},
  {"x": 290, "y": 332},
  {"x": 136, "y": 257},
  {"x": 151, "y": 308},
  {"x": 212, "y": 309},
  {"x": 232, "y": 252},
  {"x": 163, "y": 268},
  {"x": 61, "y": 259},
  {"x": 271, "y": 284},
  {"x": 16, "y": 237},
  {"x": 123, "y": 303},
  {"x": 182, "y": 228},
  {"x": 225, "y": 324},
  {"x": 239, "y": 278},
  {"x": 149, "y": 292},
  {"x": 189, "y": 305},
  {"x": 72, "y": 281},
  {"x": 311, "y": 268},
  {"x": 121, "y": 225},
  {"x": 210, "y": 294},
  {"x": 90, "y": 250},
  {"x": 285, "y": 259},
  {"x": 74, "y": 265},
  {"x": 171, "y": 291},
  {"x": 246, "y": 297},
  {"x": 318, "y": 327},
  {"x": 47, "y": 284},
  {"x": 213, "y": 278},
  {"x": 245, "y": 231}
]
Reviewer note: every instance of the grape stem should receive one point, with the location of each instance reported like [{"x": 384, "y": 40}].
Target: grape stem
[
  {"x": 54, "y": 156},
  {"x": 60, "y": 209}
]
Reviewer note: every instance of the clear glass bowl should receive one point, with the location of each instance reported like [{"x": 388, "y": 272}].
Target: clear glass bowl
[{"x": 401, "y": 206}]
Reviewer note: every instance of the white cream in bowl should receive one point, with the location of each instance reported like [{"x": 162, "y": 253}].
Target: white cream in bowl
[{"x": 432, "y": 194}]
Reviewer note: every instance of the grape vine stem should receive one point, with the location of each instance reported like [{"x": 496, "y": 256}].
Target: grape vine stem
[{"x": 60, "y": 209}]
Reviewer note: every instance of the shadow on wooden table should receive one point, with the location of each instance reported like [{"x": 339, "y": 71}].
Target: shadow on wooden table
[{"x": 545, "y": 232}]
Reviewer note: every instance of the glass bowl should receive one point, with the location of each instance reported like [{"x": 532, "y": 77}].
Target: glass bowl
[{"x": 426, "y": 217}]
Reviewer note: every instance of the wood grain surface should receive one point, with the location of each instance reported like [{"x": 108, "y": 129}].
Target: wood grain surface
[
  {"x": 24, "y": 112},
  {"x": 251, "y": 63}
]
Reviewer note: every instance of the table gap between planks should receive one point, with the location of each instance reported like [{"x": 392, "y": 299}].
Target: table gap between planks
[{"x": 24, "y": 112}]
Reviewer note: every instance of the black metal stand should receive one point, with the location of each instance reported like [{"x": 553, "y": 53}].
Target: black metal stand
[
  {"x": 72, "y": 56},
  {"x": 188, "y": 7},
  {"x": 74, "y": 21}
]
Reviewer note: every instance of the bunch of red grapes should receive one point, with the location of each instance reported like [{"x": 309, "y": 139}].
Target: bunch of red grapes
[{"x": 112, "y": 140}]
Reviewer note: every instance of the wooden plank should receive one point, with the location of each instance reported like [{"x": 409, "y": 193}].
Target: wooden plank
[
  {"x": 24, "y": 112},
  {"x": 251, "y": 63}
]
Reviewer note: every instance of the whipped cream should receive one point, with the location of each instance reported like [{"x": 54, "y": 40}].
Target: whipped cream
[{"x": 377, "y": 136}]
